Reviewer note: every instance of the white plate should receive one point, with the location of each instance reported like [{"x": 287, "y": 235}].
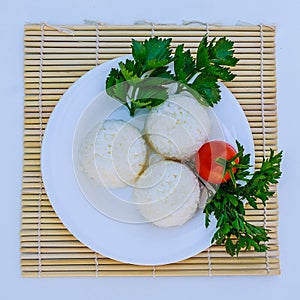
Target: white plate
[{"x": 143, "y": 244}]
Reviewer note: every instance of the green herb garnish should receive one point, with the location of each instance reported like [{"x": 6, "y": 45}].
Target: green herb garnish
[
  {"x": 227, "y": 205},
  {"x": 130, "y": 83}
]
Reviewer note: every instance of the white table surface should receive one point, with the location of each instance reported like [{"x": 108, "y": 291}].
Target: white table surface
[{"x": 13, "y": 16}]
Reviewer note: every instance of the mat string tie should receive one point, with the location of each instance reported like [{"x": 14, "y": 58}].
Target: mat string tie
[
  {"x": 262, "y": 85},
  {"x": 153, "y": 272},
  {"x": 263, "y": 125},
  {"x": 41, "y": 138},
  {"x": 184, "y": 22},
  {"x": 193, "y": 22},
  {"x": 93, "y": 22},
  {"x": 96, "y": 264},
  {"x": 196, "y": 22},
  {"x": 152, "y": 30},
  {"x": 145, "y": 22},
  {"x": 97, "y": 44},
  {"x": 209, "y": 263},
  {"x": 62, "y": 29},
  {"x": 97, "y": 24}
]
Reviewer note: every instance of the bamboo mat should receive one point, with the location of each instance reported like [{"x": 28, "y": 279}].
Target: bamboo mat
[{"x": 54, "y": 58}]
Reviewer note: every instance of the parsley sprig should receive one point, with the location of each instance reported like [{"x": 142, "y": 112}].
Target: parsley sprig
[
  {"x": 206, "y": 69},
  {"x": 227, "y": 205},
  {"x": 143, "y": 82}
]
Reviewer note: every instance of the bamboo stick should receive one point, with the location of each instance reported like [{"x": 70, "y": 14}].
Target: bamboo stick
[
  {"x": 214, "y": 254},
  {"x": 54, "y": 244},
  {"x": 27, "y": 260},
  {"x": 194, "y": 260},
  {"x": 31, "y": 240},
  {"x": 188, "y": 31},
  {"x": 33, "y": 134},
  {"x": 148, "y": 273},
  {"x": 173, "y": 29},
  {"x": 165, "y": 268},
  {"x": 52, "y": 238},
  {"x": 123, "y": 42},
  {"x": 170, "y": 27},
  {"x": 126, "y": 51},
  {"x": 45, "y": 232},
  {"x": 34, "y": 208},
  {"x": 68, "y": 80},
  {"x": 234, "y": 89},
  {"x": 122, "y": 274},
  {"x": 48, "y": 105},
  {"x": 58, "y": 225},
  {"x": 60, "y": 92},
  {"x": 126, "y": 36},
  {"x": 30, "y": 199},
  {"x": 115, "y": 47},
  {"x": 30, "y": 206},
  {"x": 243, "y": 62},
  {"x": 31, "y": 218},
  {"x": 242, "y": 80},
  {"x": 108, "y": 56}
]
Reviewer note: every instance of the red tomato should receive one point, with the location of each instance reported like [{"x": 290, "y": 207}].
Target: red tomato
[{"x": 206, "y": 161}]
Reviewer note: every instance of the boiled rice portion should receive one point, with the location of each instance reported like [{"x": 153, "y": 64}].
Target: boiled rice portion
[
  {"x": 178, "y": 127},
  {"x": 113, "y": 154},
  {"x": 167, "y": 194}
]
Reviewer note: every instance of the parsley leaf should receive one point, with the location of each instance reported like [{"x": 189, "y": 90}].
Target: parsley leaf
[
  {"x": 210, "y": 62},
  {"x": 150, "y": 96},
  {"x": 161, "y": 75},
  {"x": 151, "y": 54},
  {"x": 128, "y": 70},
  {"x": 221, "y": 52},
  {"x": 184, "y": 65},
  {"x": 203, "y": 55},
  {"x": 116, "y": 85},
  {"x": 206, "y": 85},
  {"x": 258, "y": 185}
]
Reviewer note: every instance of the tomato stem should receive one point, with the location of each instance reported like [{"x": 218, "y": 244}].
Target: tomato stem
[
  {"x": 210, "y": 190},
  {"x": 221, "y": 161}
]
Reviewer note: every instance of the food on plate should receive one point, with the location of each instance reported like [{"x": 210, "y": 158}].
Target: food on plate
[
  {"x": 179, "y": 127},
  {"x": 113, "y": 154},
  {"x": 216, "y": 161},
  {"x": 167, "y": 194}
]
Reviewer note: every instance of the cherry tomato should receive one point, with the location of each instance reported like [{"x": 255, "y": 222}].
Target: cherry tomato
[{"x": 209, "y": 158}]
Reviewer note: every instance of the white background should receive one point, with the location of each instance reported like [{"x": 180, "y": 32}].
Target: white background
[{"x": 13, "y": 16}]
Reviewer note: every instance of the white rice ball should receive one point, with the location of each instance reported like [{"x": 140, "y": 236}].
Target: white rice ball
[
  {"x": 113, "y": 154},
  {"x": 167, "y": 194},
  {"x": 178, "y": 127}
]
